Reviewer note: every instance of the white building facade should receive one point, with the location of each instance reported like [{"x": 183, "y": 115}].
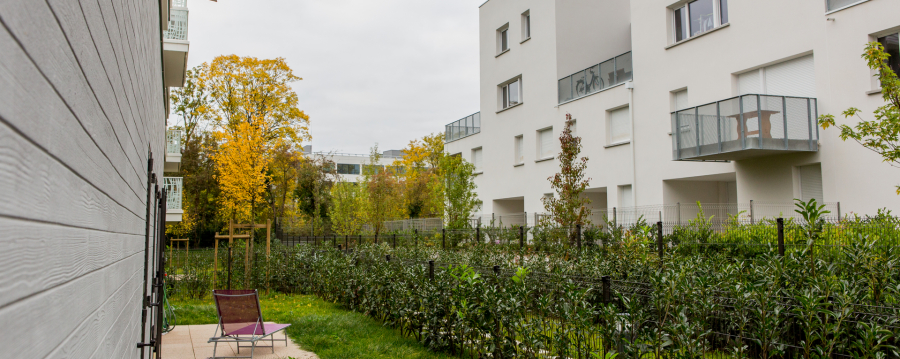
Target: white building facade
[
  {"x": 711, "y": 101},
  {"x": 351, "y": 166}
]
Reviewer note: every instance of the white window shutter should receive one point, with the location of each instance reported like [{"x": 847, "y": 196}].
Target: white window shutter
[
  {"x": 547, "y": 143},
  {"x": 520, "y": 151},
  {"x": 681, "y": 100},
  {"x": 477, "y": 159},
  {"x": 796, "y": 77},
  {"x": 749, "y": 83},
  {"x": 619, "y": 130},
  {"x": 811, "y": 183}
]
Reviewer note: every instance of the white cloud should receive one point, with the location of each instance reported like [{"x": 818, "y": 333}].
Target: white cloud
[{"x": 385, "y": 71}]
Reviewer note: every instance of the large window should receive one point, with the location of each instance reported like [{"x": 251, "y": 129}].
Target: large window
[
  {"x": 520, "y": 150},
  {"x": 697, "y": 17},
  {"x": 832, "y": 5},
  {"x": 511, "y": 94},
  {"x": 347, "y": 169},
  {"x": 545, "y": 143},
  {"x": 891, "y": 45},
  {"x": 619, "y": 126}
]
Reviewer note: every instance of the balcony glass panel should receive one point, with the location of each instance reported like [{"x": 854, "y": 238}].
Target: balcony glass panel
[
  {"x": 595, "y": 78},
  {"x": 178, "y": 25},
  {"x": 173, "y": 186},
  {"x": 744, "y": 127},
  {"x": 466, "y": 126},
  {"x": 173, "y": 141}
]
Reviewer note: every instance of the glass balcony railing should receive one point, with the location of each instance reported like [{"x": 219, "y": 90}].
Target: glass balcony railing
[
  {"x": 596, "y": 78},
  {"x": 178, "y": 21},
  {"x": 173, "y": 186},
  {"x": 464, "y": 127},
  {"x": 173, "y": 141},
  {"x": 744, "y": 127}
]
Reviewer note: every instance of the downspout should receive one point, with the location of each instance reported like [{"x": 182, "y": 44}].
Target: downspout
[{"x": 630, "y": 86}]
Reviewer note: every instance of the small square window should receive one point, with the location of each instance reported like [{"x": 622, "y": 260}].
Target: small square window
[{"x": 503, "y": 39}]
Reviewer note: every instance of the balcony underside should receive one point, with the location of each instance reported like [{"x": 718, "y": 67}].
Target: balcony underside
[
  {"x": 173, "y": 162},
  {"x": 174, "y": 215},
  {"x": 734, "y": 151},
  {"x": 175, "y": 53}
]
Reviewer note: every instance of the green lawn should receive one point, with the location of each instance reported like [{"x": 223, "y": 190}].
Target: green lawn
[{"x": 320, "y": 327}]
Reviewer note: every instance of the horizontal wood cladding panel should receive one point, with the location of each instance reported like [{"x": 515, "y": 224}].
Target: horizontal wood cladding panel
[
  {"x": 73, "y": 23},
  {"x": 35, "y": 257},
  {"x": 105, "y": 332},
  {"x": 37, "y": 31},
  {"x": 48, "y": 318},
  {"x": 31, "y": 106},
  {"x": 35, "y": 186},
  {"x": 116, "y": 67}
]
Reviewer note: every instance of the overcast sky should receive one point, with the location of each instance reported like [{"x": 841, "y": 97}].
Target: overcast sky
[{"x": 385, "y": 71}]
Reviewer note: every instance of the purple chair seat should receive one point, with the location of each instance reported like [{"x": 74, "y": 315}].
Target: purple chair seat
[{"x": 266, "y": 328}]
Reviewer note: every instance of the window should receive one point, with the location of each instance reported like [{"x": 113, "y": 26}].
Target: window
[
  {"x": 476, "y": 159},
  {"x": 891, "y": 45},
  {"x": 347, "y": 169},
  {"x": 511, "y": 94},
  {"x": 699, "y": 16},
  {"x": 832, "y": 5},
  {"x": 626, "y": 196},
  {"x": 619, "y": 126},
  {"x": 681, "y": 100},
  {"x": 503, "y": 39},
  {"x": 789, "y": 78},
  {"x": 545, "y": 143},
  {"x": 520, "y": 150},
  {"x": 526, "y": 25},
  {"x": 370, "y": 169},
  {"x": 811, "y": 183}
]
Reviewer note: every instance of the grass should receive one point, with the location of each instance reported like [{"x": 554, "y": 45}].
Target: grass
[{"x": 321, "y": 327}]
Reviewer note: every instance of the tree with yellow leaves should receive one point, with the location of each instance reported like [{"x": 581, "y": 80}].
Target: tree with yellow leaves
[
  {"x": 241, "y": 165},
  {"x": 421, "y": 180},
  {"x": 383, "y": 197}
]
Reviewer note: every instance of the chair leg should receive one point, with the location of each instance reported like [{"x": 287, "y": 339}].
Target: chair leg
[
  {"x": 215, "y": 347},
  {"x": 272, "y": 340},
  {"x": 252, "y": 348}
]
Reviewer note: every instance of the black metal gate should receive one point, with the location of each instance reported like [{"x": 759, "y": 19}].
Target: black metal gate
[{"x": 154, "y": 265}]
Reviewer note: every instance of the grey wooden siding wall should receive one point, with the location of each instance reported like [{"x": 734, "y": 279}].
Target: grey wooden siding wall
[{"x": 81, "y": 101}]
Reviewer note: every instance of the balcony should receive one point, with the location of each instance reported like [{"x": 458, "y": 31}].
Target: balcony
[
  {"x": 176, "y": 45},
  {"x": 591, "y": 80},
  {"x": 464, "y": 127},
  {"x": 745, "y": 127},
  {"x": 173, "y": 151},
  {"x": 173, "y": 186}
]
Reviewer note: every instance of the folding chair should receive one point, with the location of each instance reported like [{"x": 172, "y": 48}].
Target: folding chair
[{"x": 241, "y": 321}]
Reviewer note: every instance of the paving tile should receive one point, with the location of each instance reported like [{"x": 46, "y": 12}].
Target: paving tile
[{"x": 190, "y": 342}]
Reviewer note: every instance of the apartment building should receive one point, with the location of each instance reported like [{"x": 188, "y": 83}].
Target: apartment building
[
  {"x": 351, "y": 166},
  {"x": 83, "y": 105},
  {"x": 678, "y": 102}
]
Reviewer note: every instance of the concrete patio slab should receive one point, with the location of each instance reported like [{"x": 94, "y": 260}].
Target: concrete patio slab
[{"x": 190, "y": 342}]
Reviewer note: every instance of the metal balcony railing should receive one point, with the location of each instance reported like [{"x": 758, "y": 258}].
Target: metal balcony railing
[
  {"x": 593, "y": 79},
  {"x": 173, "y": 141},
  {"x": 178, "y": 21},
  {"x": 464, "y": 127},
  {"x": 745, "y": 126},
  {"x": 173, "y": 186}
]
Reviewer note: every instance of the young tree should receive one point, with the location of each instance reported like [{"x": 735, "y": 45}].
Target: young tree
[
  {"x": 881, "y": 135},
  {"x": 421, "y": 182},
  {"x": 242, "y": 170},
  {"x": 283, "y": 172},
  {"x": 383, "y": 198},
  {"x": 347, "y": 214},
  {"x": 460, "y": 199},
  {"x": 568, "y": 208},
  {"x": 315, "y": 177}
]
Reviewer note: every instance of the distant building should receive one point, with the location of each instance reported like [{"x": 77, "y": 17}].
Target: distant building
[{"x": 351, "y": 166}]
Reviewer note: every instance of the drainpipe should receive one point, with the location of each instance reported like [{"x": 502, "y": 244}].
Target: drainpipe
[{"x": 630, "y": 86}]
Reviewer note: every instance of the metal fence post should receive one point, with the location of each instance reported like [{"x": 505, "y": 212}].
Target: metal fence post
[
  {"x": 416, "y": 235},
  {"x": 780, "y": 236},
  {"x": 395, "y": 241},
  {"x": 443, "y": 238},
  {"x": 678, "y": 216},
  {"x": 606, "y": 288},
  {"x": 431, "y": 270},
  {"x": 522, "y": 237},
  {"x": 752, "y": 217},
  {"x": 478, "y": 234},
  {"x": 497, "y": 270},
  {"x": 839, "y": 211},
  {"x": 376, "y": 238},
  {"x": 334, "y": 240},
  {"x": 340, "y": 248},
  {"x": 387, "y": 258},
  {"x": 347, "y": 241},
  {"x": 229, "y": 266},
  {"x": 615, "y": 221},
  {"x": 659, "y": 238},
  {"x": 578, "y": 235}
]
